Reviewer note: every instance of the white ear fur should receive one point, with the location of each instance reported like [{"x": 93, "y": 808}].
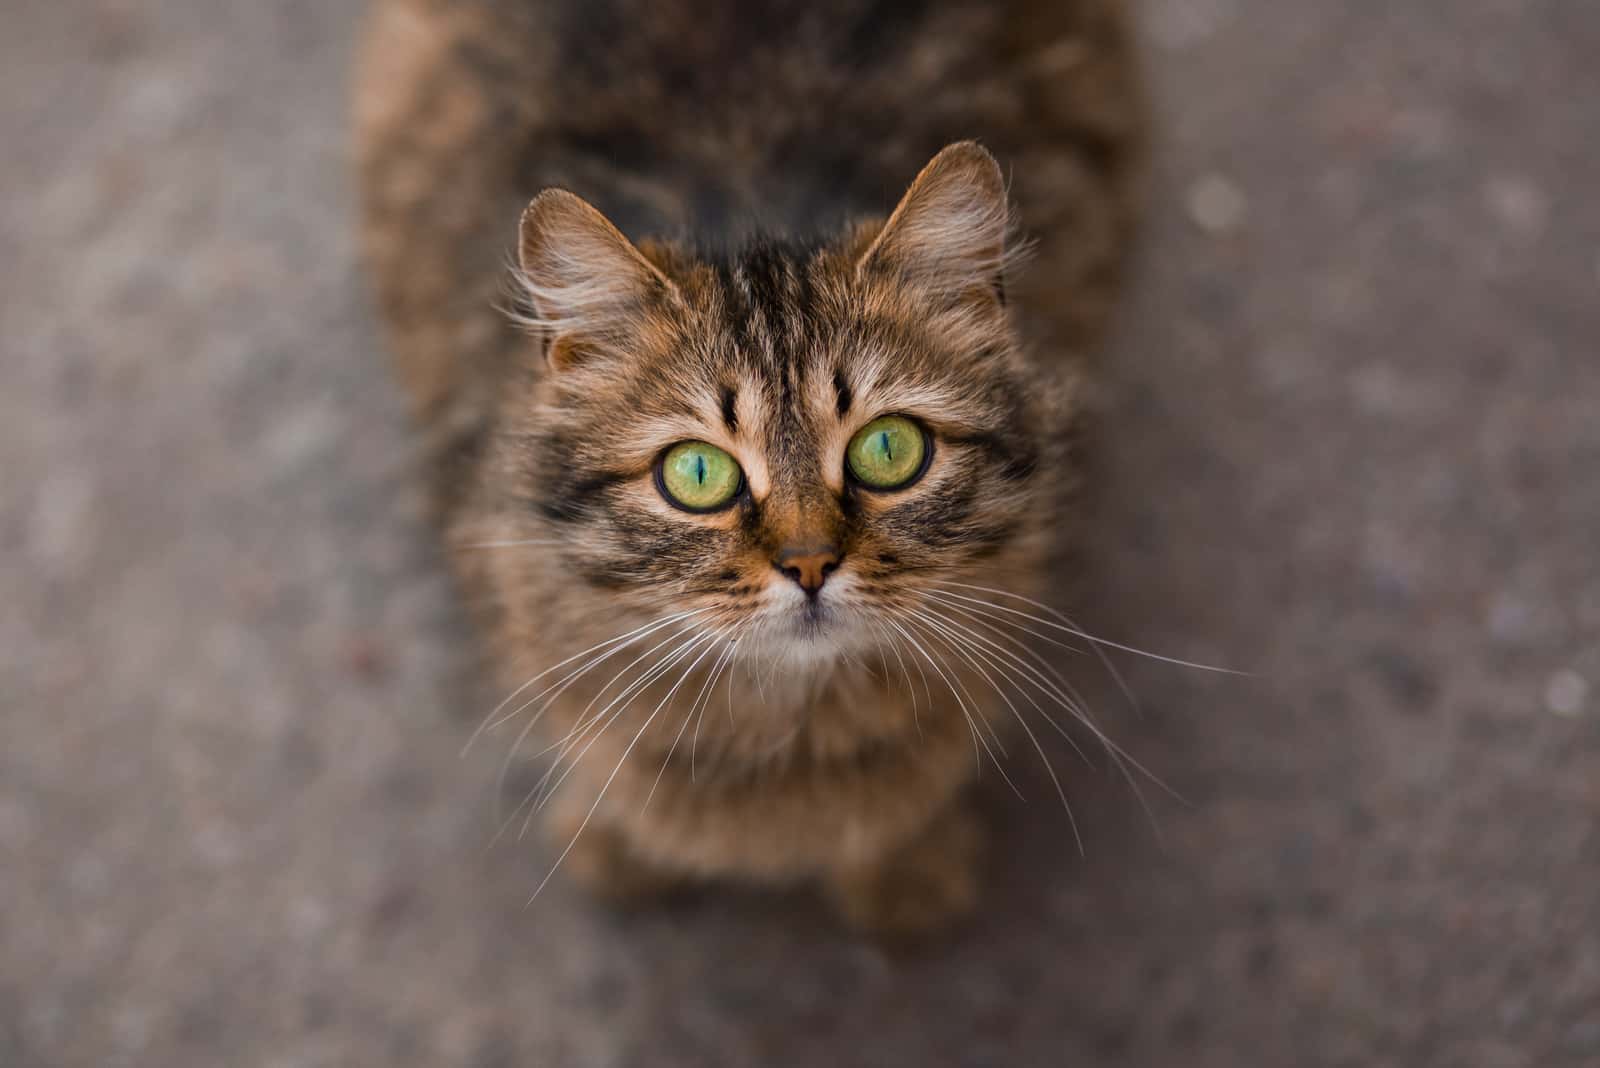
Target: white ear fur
[
  {"x": 580, "y": 275},
  {"x": 948, "y": 233}
]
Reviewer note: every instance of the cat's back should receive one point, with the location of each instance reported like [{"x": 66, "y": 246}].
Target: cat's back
[{"x": 712, "y": 118}]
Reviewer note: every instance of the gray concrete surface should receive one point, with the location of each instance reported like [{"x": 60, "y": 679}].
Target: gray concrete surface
[{"x": 1355, "y": 450}]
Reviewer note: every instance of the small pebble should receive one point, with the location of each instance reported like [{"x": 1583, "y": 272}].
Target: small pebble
[
  {"x": 1216, "y": 205},
  {"x": 1566, "y": 692}
]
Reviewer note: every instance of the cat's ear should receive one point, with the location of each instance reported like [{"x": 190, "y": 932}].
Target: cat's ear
[
  {"x": 587, "y": 285},
  {"x": 948, "y": 233}
]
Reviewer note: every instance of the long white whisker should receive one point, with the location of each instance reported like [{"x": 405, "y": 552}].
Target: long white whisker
[
  {"x": 993, "y": 734},
  {"x": 983, "y": 721},
  {"x": 1076, "y": 631},
  {"x": 560, "y": 688},
  {"x": 654, "y": 672},
  {"x": 1099, "y": 652},
  {"x": 971, "y": 727},
  {"x": 977, "y": 736},
  {"x": 687, "y": 716},
  {"x": 945, "y": 597},
  {"x": 602, "y": 794},
  {"x": 1072, "y": 702},
  {"x": 1058, "y": 693},
  {"x": 637, "y": 631},
  {"x": 1111, "y": 669},
  {"x": 894, "y": 647},
  {"x": 724, "y": 665},
  {"x": 951, "y": 636},
  {"x": 538, "y": 788}
]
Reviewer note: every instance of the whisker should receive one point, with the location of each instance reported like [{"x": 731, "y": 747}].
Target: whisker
[
  {"x": 993, "y": 651},
  {"x": 1077, "y": 632},
  {"x": 577, "y": 731},
  {"x": 656, "y": 671},
  {"x": 1061, "y": 792},
  {"x": 710, "y": 678},
  {"x": 971, "y": 728},
  {"x": 993, "y": 734},
  {"x": 583, "y": 720},
  {"x": 971, "y": 725},
  {"x": 1100, "y": 653},
  {"x": 946, "y": 598},
  {"x": 724, "y": 665},
  {"x": 1075, "y": 705},
  {"x": 637, "y": 631},
  {"x": 894, "y": 647},
  {"x": 1079, "y": 709},
  {"x": 562, "y": 687},
  {"x": 982, "y": 720},
  {"x": 603, "y": 789}
]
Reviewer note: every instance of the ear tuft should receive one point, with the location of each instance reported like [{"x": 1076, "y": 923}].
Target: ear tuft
[
  {"x": 586, "y": 284},
  {"x": 948, "y": 233}
]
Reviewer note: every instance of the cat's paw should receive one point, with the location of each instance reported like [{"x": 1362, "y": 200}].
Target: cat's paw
[
  {"x": 601, "y": 863},
  {"x": 920, "y": 889}
]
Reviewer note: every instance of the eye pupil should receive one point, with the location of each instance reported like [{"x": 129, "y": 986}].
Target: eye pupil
[
  {"x": 887, "y": 451},
  {"x": 700, "y": 470}
]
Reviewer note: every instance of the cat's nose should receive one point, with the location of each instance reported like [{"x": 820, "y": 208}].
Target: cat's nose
[{"x": 809, "y": 567}]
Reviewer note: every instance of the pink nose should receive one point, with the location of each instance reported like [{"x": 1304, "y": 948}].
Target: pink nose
[{"x": 809, "y": 567}]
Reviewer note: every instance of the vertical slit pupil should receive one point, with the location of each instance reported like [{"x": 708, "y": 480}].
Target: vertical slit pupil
[
  {"x": 883, "y": 437},
  {"x": 700, "y": 470}
]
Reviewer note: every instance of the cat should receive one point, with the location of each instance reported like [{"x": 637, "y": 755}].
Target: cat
[{"x": 754, "y": 485}]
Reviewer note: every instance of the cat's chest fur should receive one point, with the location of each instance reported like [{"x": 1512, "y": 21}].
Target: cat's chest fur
[{"x": 790, "y": 777}]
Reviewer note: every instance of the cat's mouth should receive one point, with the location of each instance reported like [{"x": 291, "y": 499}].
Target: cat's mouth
[
  {"x": 812, "y": 618},
  {"x": 809, "y": 630}
]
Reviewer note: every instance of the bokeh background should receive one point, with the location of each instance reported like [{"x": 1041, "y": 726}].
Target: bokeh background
[{"x": 1353, "y": 447}]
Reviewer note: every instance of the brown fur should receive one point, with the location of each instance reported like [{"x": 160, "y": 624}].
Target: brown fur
[{"x": 738, "y": 285}]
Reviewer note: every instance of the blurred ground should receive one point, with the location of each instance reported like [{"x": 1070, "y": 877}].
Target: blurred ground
[{"x": 1356, "y": 450}]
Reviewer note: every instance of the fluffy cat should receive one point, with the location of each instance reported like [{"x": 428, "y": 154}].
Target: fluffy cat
[{"x": 726, "y": 483}]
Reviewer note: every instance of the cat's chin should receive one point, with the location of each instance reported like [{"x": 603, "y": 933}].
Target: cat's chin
[{"x": 807, "y": 637}]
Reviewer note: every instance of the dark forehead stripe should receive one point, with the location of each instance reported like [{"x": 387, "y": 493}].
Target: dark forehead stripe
[
  {"x": 841, "y": 388},
  {"x": 766, "y": 283},
  {"x": 770, "y": 314},
  {"x": 769, "y": 276},
  {"x": 730, "y": 414}
]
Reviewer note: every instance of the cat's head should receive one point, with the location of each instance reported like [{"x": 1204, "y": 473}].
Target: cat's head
[{"x": 790, "y": 441}]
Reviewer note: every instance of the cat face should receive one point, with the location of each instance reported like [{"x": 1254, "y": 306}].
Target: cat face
[{"x": 794, "y": 439}]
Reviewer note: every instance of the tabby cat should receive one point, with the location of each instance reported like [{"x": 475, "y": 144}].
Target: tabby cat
[{"x": 756, "y": 481}]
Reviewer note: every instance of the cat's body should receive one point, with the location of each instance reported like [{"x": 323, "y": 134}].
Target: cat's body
[{"x": 818, "y": 729}]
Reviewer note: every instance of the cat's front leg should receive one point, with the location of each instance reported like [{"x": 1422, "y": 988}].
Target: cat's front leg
[
  {"x": 919, "y": 888},
  {"x": 599, "y": 858}
]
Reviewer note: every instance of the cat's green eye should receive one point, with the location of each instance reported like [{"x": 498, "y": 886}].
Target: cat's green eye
[
  {"x": 698, "y": 477},
  {"x": 888, "y": 453}
]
